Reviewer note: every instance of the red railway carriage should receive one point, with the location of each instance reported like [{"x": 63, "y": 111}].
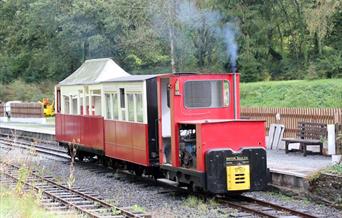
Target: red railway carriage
[{"x": 186, "y": 127}]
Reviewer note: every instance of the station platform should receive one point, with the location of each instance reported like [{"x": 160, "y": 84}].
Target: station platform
[
  {"x": 289, "y": 171},
  {"x": 48, "y": 128}
]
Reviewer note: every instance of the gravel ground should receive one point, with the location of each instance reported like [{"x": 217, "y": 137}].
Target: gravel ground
[{"x": 123, "y": 190}]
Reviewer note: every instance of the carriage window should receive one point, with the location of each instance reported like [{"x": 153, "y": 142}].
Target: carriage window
[
  {"x": 122, "y": 98},
  {"x": 66, "y": 105},
  {"x": 96, "y": 105},
  {"x": 74, "y": 105},
  {"x": 115, "y": 106},
  {"x": 139, "y": 107},
  {"x": 81, "y": 105},
  {"x": 204, "y": 94},
  {"x": 108, "y": 107},
  {"x": 86, "y": 109},
  {"x": 130, "y": 107}
]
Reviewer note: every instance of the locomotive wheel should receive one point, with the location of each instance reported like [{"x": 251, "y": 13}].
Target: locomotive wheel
[
  {"x": 182, "y": 184},
  {"x": 138, "y": 171},
  {"x": 191, "y": 187},
  {"x": 69, "y": 151},
  {"x": 109, "y": 162},
  {"x": 115, "y": 166},
  {"x": 103, "y": 161},
  {"x": 80, "y": 156}
]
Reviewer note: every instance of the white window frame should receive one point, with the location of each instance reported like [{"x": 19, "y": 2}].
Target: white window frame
[
  {"x": 134, "y": 93},
  {"x": 111, "y": 99}
]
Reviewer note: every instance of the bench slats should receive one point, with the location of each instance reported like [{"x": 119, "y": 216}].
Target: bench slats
[
  {"x": 311, "y": 130},
  {"x": 308, "y": 134},
  {"x": 308, "y": 141}
]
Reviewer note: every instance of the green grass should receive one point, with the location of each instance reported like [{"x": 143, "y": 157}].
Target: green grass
[
  {"x": 23, "y": 205},
  {"x": 295, "y": 93},
  {"x": 137, "y": 209},
  {"x": 19, "y": 204},
  {"x": 196, "y": 202},
  {"x": 334, "y": 169}
]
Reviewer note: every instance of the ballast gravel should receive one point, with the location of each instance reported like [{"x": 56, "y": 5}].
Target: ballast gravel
[{"x": 126, "y": 191}]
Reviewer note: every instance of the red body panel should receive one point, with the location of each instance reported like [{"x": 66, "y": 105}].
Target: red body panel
[
  {"x": 179, "y": 113},
  {"x": 121, "y": 140},
  {"x": 234, "y": 135},
  {"x": 84, "y": 130},
  {"x": 127, "y": 141}
]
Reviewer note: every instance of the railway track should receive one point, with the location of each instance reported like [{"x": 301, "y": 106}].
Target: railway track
[
  {"x": 262, "y": 208},
  {"x": 241, "y": 203},
  {"x": 57, "y": 197},
  {"x": 8, "y": 142},
  {"x": 247, "y": 205},
  {"x": 13, "y": 134}
]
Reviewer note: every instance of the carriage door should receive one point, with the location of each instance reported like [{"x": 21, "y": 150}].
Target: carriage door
[{"x": 166, "y": 119}]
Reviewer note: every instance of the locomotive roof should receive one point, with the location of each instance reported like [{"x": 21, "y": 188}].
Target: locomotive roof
[{"x": 95, "y": 71}]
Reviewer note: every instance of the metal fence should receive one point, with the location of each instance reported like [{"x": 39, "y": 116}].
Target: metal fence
[
  {"x": 291, "y": 116},
  {"x": 23, "y": 110}
]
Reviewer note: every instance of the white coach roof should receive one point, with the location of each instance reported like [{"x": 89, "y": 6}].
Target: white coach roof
[{"x": 95, "y": 71}]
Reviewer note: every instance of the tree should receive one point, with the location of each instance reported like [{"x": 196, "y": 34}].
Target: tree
[
  {"x": 47, "y": 40},
  {"x": 319, "y": 22}
]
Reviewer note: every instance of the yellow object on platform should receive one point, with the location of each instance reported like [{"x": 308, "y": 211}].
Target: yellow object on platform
[
  {"x": 49, "y": 111},
  {"x": 49, "y": 108},
  {"x": 238, "y": 178}
]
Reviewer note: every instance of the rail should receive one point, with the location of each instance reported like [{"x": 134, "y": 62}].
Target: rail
[
  {"x": 70, "y": 198},
  {"x": 262, "y": 208}
]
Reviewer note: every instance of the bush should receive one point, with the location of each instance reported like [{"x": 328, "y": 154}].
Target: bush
[
  {"x": 22, "y": 91},
  {"x": 330, "y": 66}
]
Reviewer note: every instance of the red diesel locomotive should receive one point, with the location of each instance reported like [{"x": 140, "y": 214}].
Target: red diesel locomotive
[{"x": 185, "y": 127}]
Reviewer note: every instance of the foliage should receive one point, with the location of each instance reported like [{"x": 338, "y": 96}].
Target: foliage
[
  {"x": 115, "y": 211},
  {"x": 137, "y": 209},
  {"x": 24, "y": 172},
  {"x": 334, "y": 169},
  {"x": 25, "y": 205},
  {"x": 297, "y": 93},
  {"x": 20, "y": 90},
  {"x": 199, "y": 203},
  {"x": 47, "y": 40}
]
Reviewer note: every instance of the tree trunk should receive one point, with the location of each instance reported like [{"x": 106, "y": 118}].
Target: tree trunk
[
  {"x": 85, "y": 50},
  {"x": 318, "y": 45}
]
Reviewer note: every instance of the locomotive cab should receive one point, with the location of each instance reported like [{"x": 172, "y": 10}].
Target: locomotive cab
[{"x": 201, "y": 144}]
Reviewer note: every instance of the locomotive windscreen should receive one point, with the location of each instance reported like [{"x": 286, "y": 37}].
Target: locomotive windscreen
[{"x": 206, "y": 94}]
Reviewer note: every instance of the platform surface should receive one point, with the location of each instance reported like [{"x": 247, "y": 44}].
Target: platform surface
[
  {"x": 48, "y": 128},
  {"x": 293, "y": 163}
]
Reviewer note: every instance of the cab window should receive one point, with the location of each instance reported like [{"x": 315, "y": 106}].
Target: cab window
[{"x": 206, "y": 94}]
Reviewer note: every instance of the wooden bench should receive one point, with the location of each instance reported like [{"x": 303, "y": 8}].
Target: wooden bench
[{"x": 308, "y": 134}]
